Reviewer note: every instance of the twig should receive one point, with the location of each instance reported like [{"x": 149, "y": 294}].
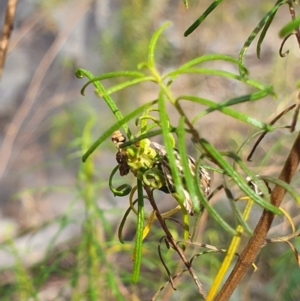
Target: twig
[
  {"x": 273, "y": 121},
  {"x": 281, "y": 53},
  {"x": 6, "y": 32},
  {"x": 293, "y": 15},
  {"x": 163, "y": 286},
  {"x": 172, "y": 242},
  {"x": 257, "y": 241},
  {"x": 163, "y": 262},
  {"x": 29, "y": 100},
  {"x": 296, "y": 114}
]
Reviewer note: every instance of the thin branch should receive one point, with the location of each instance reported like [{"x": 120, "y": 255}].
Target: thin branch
[
  {"x": 260, "y": 138},
  {"x": 173, "y": 244},
  {"x": 6, "y": 32},
  {"x": 293, "y": 15},
  {"x": 257, "y": 241},
  {"x": 163, "y": 286},
  {"x": 296, "y": 114},
  {"x": 32, "y": 93},
  {"x": 281, "y": 53},
  {"x": 163, "y": 262}
]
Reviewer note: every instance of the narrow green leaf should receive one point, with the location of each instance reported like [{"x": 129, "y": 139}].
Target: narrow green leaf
[
  {"x": 139, "y": 234},
  {"x": 122, "y": 224},
  {"x": 263, "y": 33},
  {"x": 290, "y": 27},
  {"x": 239, "y": 180},
  {"x": 236, "y": 211},
  {"x": 257, "y": 29},
  {"x": 115, "y": 127},
  {"x": 247, "y": 141},
  {"x": 211, "y": 211},
  {"x": 169, "y": 148},
  {"x": 208, "y": 58},
  {"x": 249, "y": 97},
  {"x": 122, "y": 86},
  {"x": 122, "y": 190},
  {"x": 144, "y": 136},
  {"x": 153, "y": 42},
  {"x": 284, "y": 185},
  {"x": 112, "y": 75},
  {"x": 188, "y": 178},
  {"x": 202, "y": 17},
  {"x": 234, "y": 101},
  {"x": 274, "y": 148},
  {"x": 80, "y": 73},
  {"x": 224, "y": 74},
  {"x": 235, "y": 114},
  {"x": 249, "y": 173}
]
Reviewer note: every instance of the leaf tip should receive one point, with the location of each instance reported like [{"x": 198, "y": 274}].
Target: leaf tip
[{"x": 78, "y": 73}]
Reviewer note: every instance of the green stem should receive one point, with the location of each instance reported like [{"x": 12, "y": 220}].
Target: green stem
[{"x": 139, "y": 233}]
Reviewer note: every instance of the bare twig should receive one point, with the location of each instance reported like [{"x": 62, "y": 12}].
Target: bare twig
[
  {"x": 163, "y": 262},
  {"x": 296, "y": 33},
  {"x": 281, "y": 53},
  {"x": 296, "y": 114},
  {"x": 33, "y": 129},
  {"x": 29, "y": 100},
  {"x": 260, "y": 138},
  {"x": 293, "y": 15},
  {"x": 7, "y": 30},
  {"x": 163, "y": 286},
  {"x": 173, "y": 244}
]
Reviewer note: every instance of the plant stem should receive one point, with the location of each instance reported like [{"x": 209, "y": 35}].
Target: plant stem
[
  {"x": 257, "y": 241},
  {"x": 173, "y": 243}
]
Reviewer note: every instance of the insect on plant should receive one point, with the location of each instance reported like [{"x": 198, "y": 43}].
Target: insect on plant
[
  {"x": 171, "y": 170},
  {"x": 148, "y": 161}
]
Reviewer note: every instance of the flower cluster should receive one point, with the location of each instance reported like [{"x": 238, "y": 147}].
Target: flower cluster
[{"x": 148, "y": 161}]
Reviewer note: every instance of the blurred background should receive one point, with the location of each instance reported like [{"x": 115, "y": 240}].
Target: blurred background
[{"x": 43, "y": 211}]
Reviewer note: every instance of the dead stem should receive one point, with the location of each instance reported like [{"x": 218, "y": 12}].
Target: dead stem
[
  {"x": 172, "y": 242},
  {"x": 7, "y": 30},
  {"x": 257, "y": 241}
]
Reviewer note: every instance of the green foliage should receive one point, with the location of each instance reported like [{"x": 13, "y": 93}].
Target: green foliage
[
  {"x": 100, "y": 269},
  {"x": 149, "y": 72}
]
